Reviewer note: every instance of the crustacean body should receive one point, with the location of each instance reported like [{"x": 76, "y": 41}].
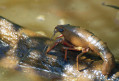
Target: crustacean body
[{"x": 76, "y": 38}]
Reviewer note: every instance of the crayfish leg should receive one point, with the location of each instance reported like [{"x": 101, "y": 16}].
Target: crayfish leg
[
  {"x": 69, "y": 48},
  {"x": 55, "y": 44},
  {"x": 77, "y": 59},
  {"x": 84, "y": 50},
  {"x": 59, "y": 36}
]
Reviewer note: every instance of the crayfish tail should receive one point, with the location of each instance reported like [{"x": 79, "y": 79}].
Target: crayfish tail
[{"x": 108, "y": 65}]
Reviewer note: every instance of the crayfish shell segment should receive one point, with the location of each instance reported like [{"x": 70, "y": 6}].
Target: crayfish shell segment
[{"x": 78, "y": 48}]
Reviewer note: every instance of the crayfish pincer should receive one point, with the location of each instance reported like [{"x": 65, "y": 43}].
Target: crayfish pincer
[{"x": 79, "y": 39}]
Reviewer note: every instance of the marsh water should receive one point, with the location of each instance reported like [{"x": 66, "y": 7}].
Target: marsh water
[{"x": 42, "y": 16}]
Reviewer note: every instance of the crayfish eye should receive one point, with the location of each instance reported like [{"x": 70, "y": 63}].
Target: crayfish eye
[{"x": 61, "y": 30}]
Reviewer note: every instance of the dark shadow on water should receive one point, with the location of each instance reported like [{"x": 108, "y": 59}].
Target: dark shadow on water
[
  {"x": 3, "y": 48},
  {"x": 88, "y": 66}
]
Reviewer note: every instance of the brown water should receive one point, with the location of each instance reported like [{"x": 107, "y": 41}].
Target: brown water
[{"x": 44, "y": 15}]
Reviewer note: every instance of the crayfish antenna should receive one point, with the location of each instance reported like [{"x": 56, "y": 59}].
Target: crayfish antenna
[{"x": 46, "y": 47}]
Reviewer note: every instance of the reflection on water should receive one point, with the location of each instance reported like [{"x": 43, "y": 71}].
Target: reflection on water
[
  {"x": 44, "y": 15},
  {"x": 13, "y": 75}
]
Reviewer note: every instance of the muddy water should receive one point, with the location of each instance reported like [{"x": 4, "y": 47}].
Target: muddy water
[{"x": 44, "y": 15}]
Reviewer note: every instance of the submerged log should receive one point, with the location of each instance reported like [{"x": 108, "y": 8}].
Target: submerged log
[{"x": 21, "y": 48}]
